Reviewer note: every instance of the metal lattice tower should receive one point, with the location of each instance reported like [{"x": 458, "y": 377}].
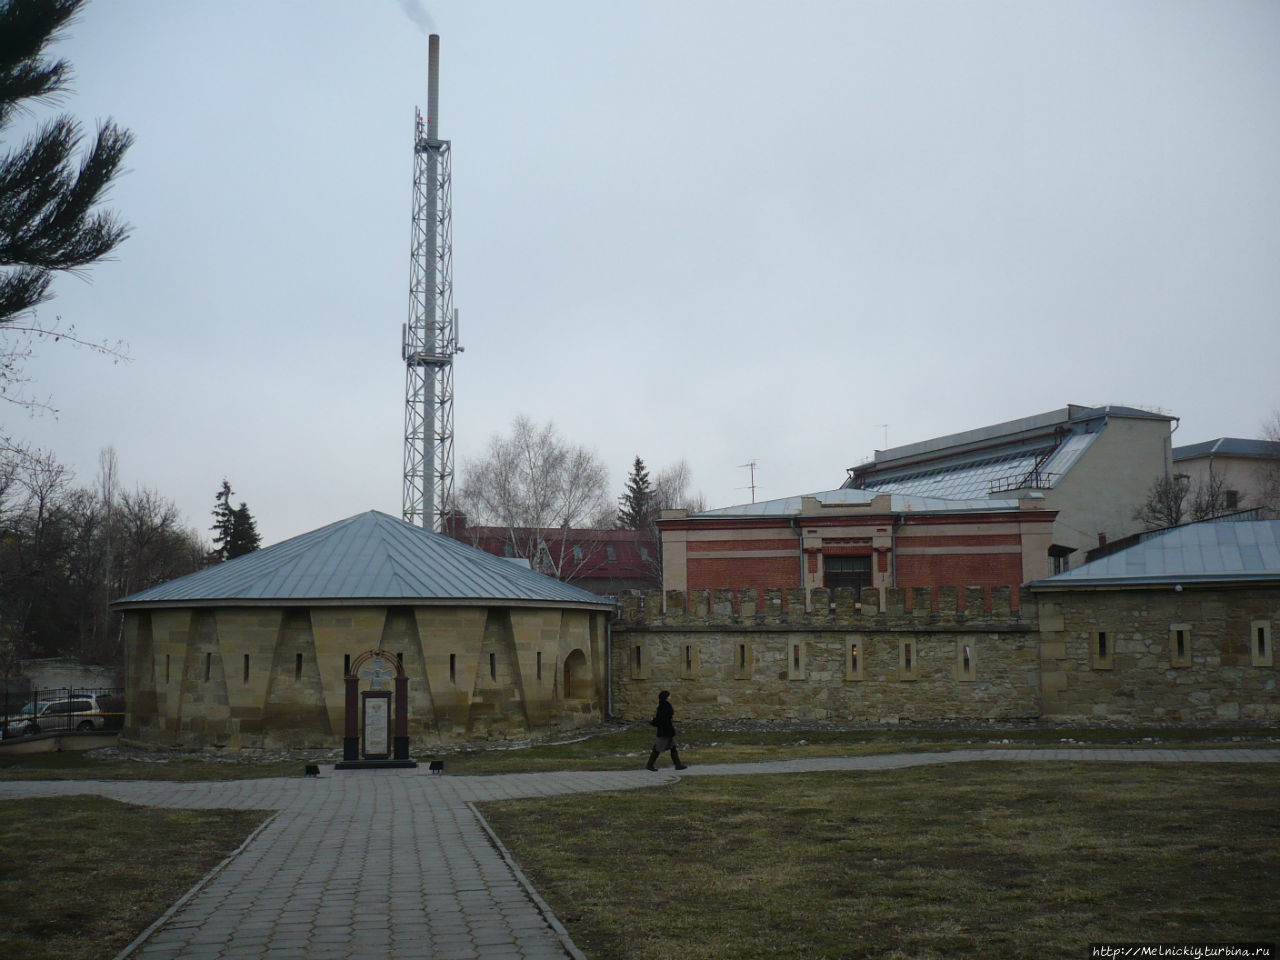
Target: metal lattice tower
[{"x": 430, "y": 338}]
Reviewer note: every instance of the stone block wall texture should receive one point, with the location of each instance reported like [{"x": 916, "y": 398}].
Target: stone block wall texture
[
  {"x": 1216, "y": 679},
  {"x": 266, "y": 677},
  {"x": 740, "y": 654},
  {"x": 951, "y": 653}
]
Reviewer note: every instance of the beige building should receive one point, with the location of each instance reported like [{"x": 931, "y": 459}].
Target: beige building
[
  {"x": 1249, "y": 470},
  {"x": 260, "y": 651},
  {"x": 1094, "y": 467}
]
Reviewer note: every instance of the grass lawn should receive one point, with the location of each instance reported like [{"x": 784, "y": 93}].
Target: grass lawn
[
  {"x": 81, "y": 876},
  {"x": 991, "y": 860},
  {"x": 616, "y": 747}
]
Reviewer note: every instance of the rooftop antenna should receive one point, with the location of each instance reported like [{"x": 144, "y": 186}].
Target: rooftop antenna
[
  {"x": 430, "y": 339},
  {"x": 886, "y": 434},
  {"x": 751, "y": 465}
]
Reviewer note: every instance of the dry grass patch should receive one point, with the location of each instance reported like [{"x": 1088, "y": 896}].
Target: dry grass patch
[
  {"x": 84, "y": 765},
  {"x": 82, "y": 876},
  {"x": 986, "y": 860}
]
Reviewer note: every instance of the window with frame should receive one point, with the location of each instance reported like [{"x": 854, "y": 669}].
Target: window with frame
[
  {"x": 908, "y": 659},
  {"x": 854, "y": 658},
  {"x": 610, "y": 553},
  {"x": 577, "y": 554},
  {"x": 639, "y": 663},
  {"x": 1260, "y": 652},
  {"x": 689, "y": 661},
  {"x": 850, "y": 572},
  {"x": 797, "y": 660}
]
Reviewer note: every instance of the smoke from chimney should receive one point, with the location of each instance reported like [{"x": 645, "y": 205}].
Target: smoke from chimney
[{"x": 416, "y": 12}]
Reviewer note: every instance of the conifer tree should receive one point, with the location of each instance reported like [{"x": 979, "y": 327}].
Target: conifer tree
[
  {"x": 244, "y": 533},
  {"x": 224, "y": 523},
  {"x": 637, "y": 507},
  {"x": 47, "y": 197}
]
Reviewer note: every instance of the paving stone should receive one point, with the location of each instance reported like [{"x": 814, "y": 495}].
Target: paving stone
[{"x": 328, "y": 880}]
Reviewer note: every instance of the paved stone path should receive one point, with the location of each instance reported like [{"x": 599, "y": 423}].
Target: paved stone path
[{"x": 398, "y": 864}]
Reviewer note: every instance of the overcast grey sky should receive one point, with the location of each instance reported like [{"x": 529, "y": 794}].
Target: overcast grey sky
[{"x": 713, "y": 231}]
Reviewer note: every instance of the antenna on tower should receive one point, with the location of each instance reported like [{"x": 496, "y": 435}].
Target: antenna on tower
[
  {"x": 430, "y": 339},
  {"x": 751, "y": 465}
]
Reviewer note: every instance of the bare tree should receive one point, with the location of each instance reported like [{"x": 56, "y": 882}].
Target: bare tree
[
  {"x": 542, "y": 492},
  {"x": 1173, "y": 500},
  {"x": 1270, "y": 493},
  {"x": 671, "y": 489}
]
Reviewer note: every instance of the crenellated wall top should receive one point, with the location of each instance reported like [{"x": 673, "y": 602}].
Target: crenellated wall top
[{"x": 783, "y": 608}]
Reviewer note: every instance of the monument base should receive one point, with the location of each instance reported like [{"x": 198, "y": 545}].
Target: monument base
[{"x": 374, "y": 764}]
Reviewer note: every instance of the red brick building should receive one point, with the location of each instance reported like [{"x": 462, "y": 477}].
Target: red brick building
[
  {"x": 859, "y": 539},
  {"x": 605, "y": 562}
]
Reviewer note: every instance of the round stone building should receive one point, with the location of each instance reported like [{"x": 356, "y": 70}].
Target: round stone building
[{"x": 271, "y": 648}]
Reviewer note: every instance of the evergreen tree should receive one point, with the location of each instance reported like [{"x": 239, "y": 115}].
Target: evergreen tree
[
  {"x": 47, "y": 197},
  {"x": 244, "y": 533},
  {"x": 224, "y": 523},
  {"x": 638, "y": 506}
]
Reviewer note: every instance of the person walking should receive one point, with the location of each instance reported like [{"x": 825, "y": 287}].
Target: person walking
[{"x": 662, "y": 719}]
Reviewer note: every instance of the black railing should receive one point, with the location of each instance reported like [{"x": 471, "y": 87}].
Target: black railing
[{"x": 61, "y": 709}]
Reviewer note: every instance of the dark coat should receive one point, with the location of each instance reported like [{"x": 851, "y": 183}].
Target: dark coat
[{"x": 662, "y": 719}]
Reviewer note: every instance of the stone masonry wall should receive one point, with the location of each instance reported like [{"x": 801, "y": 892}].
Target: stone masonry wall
[
  {"x": 731, "y": 655},
  {"x": 1139, "y": 669},
  {"x": 1193, "y": 656}
]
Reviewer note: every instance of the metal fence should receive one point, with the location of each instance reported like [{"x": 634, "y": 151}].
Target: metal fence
[{"x": 64, "y": 708}]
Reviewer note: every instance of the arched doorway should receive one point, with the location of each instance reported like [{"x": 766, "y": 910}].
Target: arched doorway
[{"x": 577, "y": 677}]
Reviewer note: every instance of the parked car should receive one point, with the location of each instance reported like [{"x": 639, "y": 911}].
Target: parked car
[{"x": 86, "y": 712}]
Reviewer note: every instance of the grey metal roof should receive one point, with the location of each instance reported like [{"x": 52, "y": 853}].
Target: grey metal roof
[
  {"x": 847, "y": 496},
  {"x": 1195, "y": 553},
  {"x": 973, "y": 478},
  {"x": 1007, "y": 433},
  {"x": 1228, "y": 447},
  {"x": 368, "y": 557}
]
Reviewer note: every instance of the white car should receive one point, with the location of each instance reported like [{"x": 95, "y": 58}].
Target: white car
[{"x": 66, "y": 713}]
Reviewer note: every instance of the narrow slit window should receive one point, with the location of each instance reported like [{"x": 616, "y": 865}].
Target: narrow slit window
[
  {"x": 346, "y": 664},
  {"x": 166, "y": 668},
  {"x": 742, "y": 656},
  {"x": 1262, "y": 641},
  {"x": 1103, "y": 648},
  {"x": 1181, "y": 639},
  {"x": 853, "y": 657},
  {"x": 539, "y": 664},
  {"x": 297, "y": 666},
  {"x": 453, "y": 667},
  {"x": 967, "y": 661},
  {"x": 246, "y": 668},
  {"x": 907, "y": 657},
  {"x": 795, "y": 656},
  {"x": 208, "y": 665},
  {"x": 688, "y": 657},
  {"x": 493, "y": 666}
]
